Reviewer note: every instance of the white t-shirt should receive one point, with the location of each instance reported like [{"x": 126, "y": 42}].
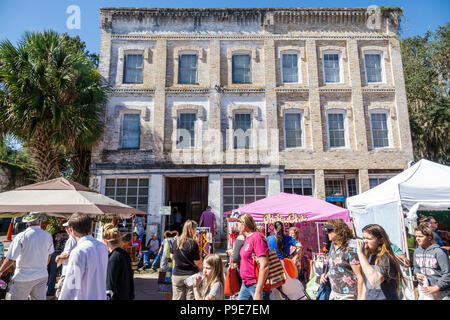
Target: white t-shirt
[
  {"x": 68, "y": 247},
  {"x": 30, "y": 249},
  {"x": 86, "y": 271}
]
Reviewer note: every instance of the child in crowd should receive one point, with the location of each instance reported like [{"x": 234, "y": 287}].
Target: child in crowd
[{"x": 211, "y": 286}]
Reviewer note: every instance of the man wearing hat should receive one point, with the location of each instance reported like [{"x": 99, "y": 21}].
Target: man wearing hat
[
  {"x": 63, "y": 258},
  {"x": 31, "y": 250}
]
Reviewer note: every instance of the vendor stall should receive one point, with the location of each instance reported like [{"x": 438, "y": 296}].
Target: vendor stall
[{"x": 304, "y": 212}]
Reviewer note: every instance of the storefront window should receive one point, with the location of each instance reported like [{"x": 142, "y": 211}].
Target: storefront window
[
  {"x": 240, "y": 191},
  {"x": 301, "y": 186}
]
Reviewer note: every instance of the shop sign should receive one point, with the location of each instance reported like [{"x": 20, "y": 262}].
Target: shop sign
[
  {"x": 337, "y": 198},
  {"x": 165, "y": 210},
  {"x": 291, "y": 218}
]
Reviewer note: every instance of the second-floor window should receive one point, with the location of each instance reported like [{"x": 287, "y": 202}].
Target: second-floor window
[
  {"x": 336, "y": 130},
  {"x": 242, "y": 130},
  {"x": 130, "y": 131},
  {"x": 241, "y": 72},
  {"x": 372, "y": 63},
  {"x": 293, "y": 130},
  {"x": 187, "y": 69},
  {"x": 331, "y": 68},
  {"x": 380, "y": 131},
  {"x": 289, "y": 63},
  {"x": 186, "y": 130},
  {"x": 133, "y": 68}
]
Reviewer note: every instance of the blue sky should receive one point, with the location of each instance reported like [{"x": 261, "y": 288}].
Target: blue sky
[{"x": 18, "y": 16}]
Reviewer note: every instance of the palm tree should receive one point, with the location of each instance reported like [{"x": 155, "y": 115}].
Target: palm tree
[{"x": 50, "y": 97}]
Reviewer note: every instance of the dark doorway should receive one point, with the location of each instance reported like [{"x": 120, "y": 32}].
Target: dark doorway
[{"x": 188, "y": 195}]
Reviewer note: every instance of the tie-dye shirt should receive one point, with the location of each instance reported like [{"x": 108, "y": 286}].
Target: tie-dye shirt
[{"x": 340, "y": 274}]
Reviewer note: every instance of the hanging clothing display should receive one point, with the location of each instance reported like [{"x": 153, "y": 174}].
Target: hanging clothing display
[{"x": 204, "y": 240}]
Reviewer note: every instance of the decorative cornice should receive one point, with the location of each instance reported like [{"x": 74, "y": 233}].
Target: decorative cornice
[
  {"x": 232, "y": 36},
  {"x": 264, "y": 17},
  {"x": 203, "y": 90},
  {"x": 378, "y": 90},
  {"x": 332, "y": 90},
  {"x": 291, "y": 90},
  {"x": 242, "y": 90},
  {"x": 125, "y": 92}
]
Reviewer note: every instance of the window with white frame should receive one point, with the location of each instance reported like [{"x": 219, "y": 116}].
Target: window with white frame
[
  {"x": 242, "y": 130},
  {"x": 379, "y": 128},
  {"x": 336, "y": 129},
  {"x": 374, "y": 181},
  {"x": 133, "y": 68},
  {"x": 130, "y": 131},
  {"x": 345, "y": 186},
  {"x": 186, "y": 130},
  {"x": 130, "y": 191},
  {"x": 238, "y": 191},
  {"x": 331, "y": 67},
  {"x": 187, "y": 69},
  {"x": 372, "y": 63},
  {"x": 298, "y": 185},
  {"x": 293, "y": 129},
  {"x": 241, "y": 71},
  {"x": 289, "y": 70}
]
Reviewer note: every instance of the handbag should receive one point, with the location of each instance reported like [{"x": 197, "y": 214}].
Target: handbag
[
  {"x": 276, "y": 276},
  {"x": 324, "y": 291},
  {"x": 231, "y": 281}
]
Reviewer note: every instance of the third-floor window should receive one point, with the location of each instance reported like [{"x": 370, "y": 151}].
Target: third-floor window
[
  {"x": 289, "y": 63},
  {"x": 372, "y": 62},
  {"x": 187, "y": 69},
  {"x": 331, "y": 68},
  {"x": 241, "y": 68},
  {"x": 133, "y": 68}
]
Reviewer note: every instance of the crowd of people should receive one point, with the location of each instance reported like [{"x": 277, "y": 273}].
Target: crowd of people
[{"x": 370, "y": 268}]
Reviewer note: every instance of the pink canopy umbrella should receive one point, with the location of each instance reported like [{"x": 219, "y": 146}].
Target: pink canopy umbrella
[{"x": 293, "y": 208}]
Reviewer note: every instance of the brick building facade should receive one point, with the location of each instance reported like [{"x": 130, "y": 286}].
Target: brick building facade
[{"x": 232, "y": 105}]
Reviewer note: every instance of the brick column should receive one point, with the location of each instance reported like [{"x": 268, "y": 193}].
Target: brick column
[
  {"x": 314, "y": 96},
  {"x": 158, "y": 115},
  {"x": 319, "y": 184},
  {"x": 213, "y": 136},
  {"x": 363, "y": 177},
  {"x": 400, "y": 99},
  {"x": 271, "y": 103},
  {"x": 358, "y": 116}
]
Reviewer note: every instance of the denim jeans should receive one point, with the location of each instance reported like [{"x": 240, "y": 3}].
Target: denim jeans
[
  {"x": 52, "y": 272},
  {"x": 147, "y": 256},
  {"x": 248, "y": 291},
  {"x": 155, "y": 263}
]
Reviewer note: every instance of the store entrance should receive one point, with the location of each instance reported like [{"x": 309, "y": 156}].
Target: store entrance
[{"x": 189, "y": 196}]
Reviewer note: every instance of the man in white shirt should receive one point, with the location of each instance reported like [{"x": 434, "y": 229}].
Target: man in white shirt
[
  {"x": 85, "y": 277},
  {"x": 63, "y": 258},
  {"x": 31, "y": 251}
]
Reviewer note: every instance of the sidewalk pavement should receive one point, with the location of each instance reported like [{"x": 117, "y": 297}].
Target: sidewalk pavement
[{"x": 145, "y": 284}]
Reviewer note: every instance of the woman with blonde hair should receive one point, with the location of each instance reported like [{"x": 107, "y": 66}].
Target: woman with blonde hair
[
  {"x": 186, "y": 257},
  {"x": 344, "y": 270},
  {"x": 255, "y": 244},
  {"x": 211, "y": 285},
  {"x": 380, "y": 265},
  {"x": 119, "y": 274}
]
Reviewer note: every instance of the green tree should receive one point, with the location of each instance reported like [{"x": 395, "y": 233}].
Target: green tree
[
  {"x": 51, "y": 97},
  {"x": 426, "y": 62}
]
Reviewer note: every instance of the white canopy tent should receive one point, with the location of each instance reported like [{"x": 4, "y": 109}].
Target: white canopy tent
[{"x": 425, "y": 185}]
